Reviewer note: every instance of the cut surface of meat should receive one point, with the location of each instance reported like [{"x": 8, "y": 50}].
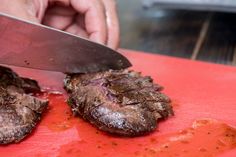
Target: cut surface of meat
[
  {"x": 119, "y": 102},
  {"x": 19, "y": 111}
]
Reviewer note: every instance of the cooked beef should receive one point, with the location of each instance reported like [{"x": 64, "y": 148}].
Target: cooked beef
[
  {"x": 19, "y": 112},
  {"x": 9, "y": 78},
  {"x": 119, "y": 102}
]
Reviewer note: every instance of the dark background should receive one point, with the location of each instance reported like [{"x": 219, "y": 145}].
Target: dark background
[{"x": 197, "y": 35}]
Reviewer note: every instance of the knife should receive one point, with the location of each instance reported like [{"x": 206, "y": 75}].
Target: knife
[{"x": 31, "y": 45}]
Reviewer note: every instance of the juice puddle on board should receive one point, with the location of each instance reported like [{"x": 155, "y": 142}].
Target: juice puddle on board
[
  {"x": 58, "y": 117},
  {"x": 205, "y": 137}
]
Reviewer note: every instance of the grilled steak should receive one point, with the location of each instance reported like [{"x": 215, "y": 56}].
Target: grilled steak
[
  {"x": 19, "y": 112},
  {"x": 9, "y": 79},
  {"x": 119, "y": 102}
]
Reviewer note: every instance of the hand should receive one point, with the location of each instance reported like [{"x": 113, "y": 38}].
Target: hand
[{"x": 93, "y": 19}]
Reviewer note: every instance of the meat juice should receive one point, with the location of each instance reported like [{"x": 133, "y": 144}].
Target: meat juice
[{"x": 206, "y": 137}]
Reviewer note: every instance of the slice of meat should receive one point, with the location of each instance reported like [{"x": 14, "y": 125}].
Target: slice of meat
[
  {"x": 9, "y": 79},
  {"x": 119, "y": 102},
  {"x": 19, "y": 112}
]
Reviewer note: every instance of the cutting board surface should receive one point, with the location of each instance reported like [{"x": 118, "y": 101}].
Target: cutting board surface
[{"x": 204, "y": 101}]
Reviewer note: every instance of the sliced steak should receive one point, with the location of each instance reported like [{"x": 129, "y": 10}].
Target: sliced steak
[
  {"x": 19, "y": 112},
  {"x": 9, "y": 79},
  {"x": 119, "y": 102}
]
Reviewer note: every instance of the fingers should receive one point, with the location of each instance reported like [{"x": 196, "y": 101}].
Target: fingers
[
  {"x": 101, "y": 20},
  {"x": 59, "y": 17},
  {"x": 77, "y": 30},
  {"x": 113, "y": 30},
  {"x": 78, "y": 27},
  {"x": 41, "y": 6},
  {"x": 94, "y": 18}
]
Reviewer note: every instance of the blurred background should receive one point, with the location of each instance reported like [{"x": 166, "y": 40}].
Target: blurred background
[{"x": 195, "y": 29}]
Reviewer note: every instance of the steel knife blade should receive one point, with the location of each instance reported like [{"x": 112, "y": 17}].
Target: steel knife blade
[{"x": 31, "y": 45}]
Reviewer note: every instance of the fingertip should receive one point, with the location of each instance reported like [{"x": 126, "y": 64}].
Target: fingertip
[
  {"x": 95, "y": 19},
  {"x": 114, "y": 45},
  {"x": 77, "y": 30},
  {"x": 97, "y": 37},
  {"x": 113, "y": 36},
  {"x": 113, "y": 39}
]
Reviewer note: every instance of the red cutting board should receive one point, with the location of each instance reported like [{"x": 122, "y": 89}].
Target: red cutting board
[{"x": 198, "y": 91}]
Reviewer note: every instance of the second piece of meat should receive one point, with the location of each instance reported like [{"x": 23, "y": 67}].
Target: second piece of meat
[
  {"x": 119, "y": 102},
  {"x": 19, "y": 111}
]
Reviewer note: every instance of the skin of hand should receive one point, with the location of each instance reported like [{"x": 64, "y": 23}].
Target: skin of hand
[{"x": 93, "y": 19}]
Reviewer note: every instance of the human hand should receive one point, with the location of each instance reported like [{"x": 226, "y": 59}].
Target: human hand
[{"x": 93, "y": 19}]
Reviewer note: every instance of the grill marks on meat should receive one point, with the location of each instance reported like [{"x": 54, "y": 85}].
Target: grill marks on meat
[
  {"x": 19, "y": 112},
  {"x": 119, "y": 102}
]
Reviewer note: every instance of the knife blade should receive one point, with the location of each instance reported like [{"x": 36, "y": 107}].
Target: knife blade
[{"x": 31, "y": 45}]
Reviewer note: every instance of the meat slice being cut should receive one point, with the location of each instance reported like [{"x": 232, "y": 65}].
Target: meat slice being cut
[
  {"x": 119, "y": 102},
  {"x": 19, "y": 111}
]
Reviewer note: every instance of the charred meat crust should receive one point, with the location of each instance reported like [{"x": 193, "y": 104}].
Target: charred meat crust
[
  {"x": 19, "y": 112},
  {"x": 119, "y": 102},
  {"x": 9, "y": 78}
]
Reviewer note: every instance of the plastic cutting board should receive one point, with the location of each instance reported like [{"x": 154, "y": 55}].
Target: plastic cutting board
[{"x": 198, "y": 91}]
